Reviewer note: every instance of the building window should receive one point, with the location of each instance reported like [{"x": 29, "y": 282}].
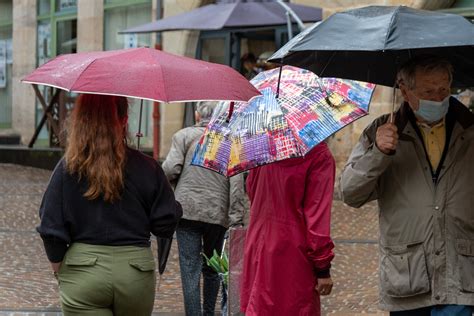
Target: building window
[
  {"x": 44, "y": 7},
  {"x": 44, "y": 42},
  {"x": 66, "y": 39},
  {"x": 66, "y": 5},
  {"x": 120, "y": 15},
  {"x": 6, "y": 61}
]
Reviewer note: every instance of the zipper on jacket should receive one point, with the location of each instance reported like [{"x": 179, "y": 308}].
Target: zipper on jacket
[{"x": 449, "y": 130}]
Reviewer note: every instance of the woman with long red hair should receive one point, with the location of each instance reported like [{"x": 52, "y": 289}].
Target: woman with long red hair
[{"x": 101, "y": 205}]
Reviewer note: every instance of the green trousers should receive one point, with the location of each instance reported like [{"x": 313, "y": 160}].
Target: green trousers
[{"x": 107, "y": 280}]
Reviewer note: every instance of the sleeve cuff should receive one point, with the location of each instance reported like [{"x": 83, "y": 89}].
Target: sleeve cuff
[
  {"x": 324, "y": 273},
  {"x": 55, "y": 249}
]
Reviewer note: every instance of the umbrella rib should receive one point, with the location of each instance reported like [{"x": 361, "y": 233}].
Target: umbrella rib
[
  {"x": 394, "y": 16},
  {"x": 82, "y": 72},
  {"x": 160, "y": 72},
  {"x": 93, "y": 62},
  {"x": 327, "y": 64},
  {"x": 46, "y": 84},
  {"x": 230, "y": 12}
]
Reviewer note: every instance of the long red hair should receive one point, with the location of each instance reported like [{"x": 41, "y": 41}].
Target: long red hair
[{"x": 96, "y": 144}]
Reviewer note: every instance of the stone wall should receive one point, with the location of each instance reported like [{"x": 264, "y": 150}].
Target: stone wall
[
  {"x": 90, "y": 31},
  {"x": 24, "y": 62},
  {"x": 333, "y": 6}
]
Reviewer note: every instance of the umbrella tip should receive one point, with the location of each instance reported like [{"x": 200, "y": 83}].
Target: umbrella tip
[{"x": 159, "y": 283}]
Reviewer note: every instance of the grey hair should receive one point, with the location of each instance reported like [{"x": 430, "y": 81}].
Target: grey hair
[
  {"x": 205, "y": 109},
  {"x": 426, "y": 63}
]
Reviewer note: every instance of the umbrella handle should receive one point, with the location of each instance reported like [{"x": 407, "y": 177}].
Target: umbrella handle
[{"x": 139, "y": 134}]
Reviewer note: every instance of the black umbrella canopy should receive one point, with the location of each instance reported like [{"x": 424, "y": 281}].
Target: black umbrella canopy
[
  {"x": 164, "y": 247},
  {"x": 369, "y": 44},
  {"x": 230, "y": 15}
]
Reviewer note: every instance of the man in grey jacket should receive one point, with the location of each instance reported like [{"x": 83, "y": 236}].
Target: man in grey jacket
[
  {"x": 420, "y": 170},
  {"x": 211, "y": 203}
]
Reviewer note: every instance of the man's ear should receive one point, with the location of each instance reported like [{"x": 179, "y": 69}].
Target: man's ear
[{"x": 403, "y": 89}]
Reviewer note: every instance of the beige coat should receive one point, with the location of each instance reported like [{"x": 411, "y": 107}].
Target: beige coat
[
  {"x": 426, "y": 230},
  {"x": 205, "y": 195}
]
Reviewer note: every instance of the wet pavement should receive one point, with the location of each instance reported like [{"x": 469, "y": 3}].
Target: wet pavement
[{"x": 27, "y": 286}]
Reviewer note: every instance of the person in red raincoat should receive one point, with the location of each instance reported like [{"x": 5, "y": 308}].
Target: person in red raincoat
[{"x": 288, "y": 248}]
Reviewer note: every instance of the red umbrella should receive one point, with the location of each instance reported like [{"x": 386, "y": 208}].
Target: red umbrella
[{"x": 143, "y": 73}]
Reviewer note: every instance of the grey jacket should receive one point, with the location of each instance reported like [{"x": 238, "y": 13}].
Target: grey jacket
[
  {"x": 205, "y": 195},
  {"x": 426, "y": 229}
]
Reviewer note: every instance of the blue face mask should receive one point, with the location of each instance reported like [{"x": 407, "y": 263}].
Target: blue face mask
[{"x": 432, "y": 111}]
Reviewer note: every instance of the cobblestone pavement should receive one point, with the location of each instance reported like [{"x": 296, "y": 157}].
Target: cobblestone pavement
[{"x": 27, "y": 286}]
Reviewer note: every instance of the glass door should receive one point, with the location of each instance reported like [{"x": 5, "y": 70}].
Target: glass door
[{"x": 56, "y": 35}]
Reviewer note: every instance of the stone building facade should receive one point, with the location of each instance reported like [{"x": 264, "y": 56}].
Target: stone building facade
[{"x": 95, "y": 26}]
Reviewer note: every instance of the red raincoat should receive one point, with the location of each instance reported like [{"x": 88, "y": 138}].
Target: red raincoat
[{"x": 288, "y": 236}]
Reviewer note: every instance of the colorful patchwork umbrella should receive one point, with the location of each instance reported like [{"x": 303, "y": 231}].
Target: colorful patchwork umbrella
[{"x": 267, "y": 129}]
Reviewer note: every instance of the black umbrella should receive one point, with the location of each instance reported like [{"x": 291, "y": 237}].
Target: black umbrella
[
  {"x": 164, "y": 247},
  {"x": 370, "y": 43},
  {"x": 230, "y": 15}
]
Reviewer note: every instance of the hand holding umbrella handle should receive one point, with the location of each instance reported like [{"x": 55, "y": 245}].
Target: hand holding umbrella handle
[{"x": 386, "y": 138}]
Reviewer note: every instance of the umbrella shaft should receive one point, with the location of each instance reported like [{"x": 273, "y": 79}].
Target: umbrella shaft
[
  {"x": 139, "y": 134},
  {"x": 278, "y": 84},
  {"x": 393, "y": 104}
]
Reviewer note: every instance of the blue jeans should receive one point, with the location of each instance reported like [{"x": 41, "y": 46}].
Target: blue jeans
[
  {"x": 452, "y": 310},
  {"x": 194, "y": 238},
  {"x": 438, "y": 310}
]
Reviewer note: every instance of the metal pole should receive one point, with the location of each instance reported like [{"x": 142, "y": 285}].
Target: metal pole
[
  {"x": 289, "y": 26},
  {"x": 292, "y": 13},
  {"x": 156, "y": 105},
  {"x": 159, "y": 15}
]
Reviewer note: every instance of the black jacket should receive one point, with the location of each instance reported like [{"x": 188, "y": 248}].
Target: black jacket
[{"x": 147, "y": 205}]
